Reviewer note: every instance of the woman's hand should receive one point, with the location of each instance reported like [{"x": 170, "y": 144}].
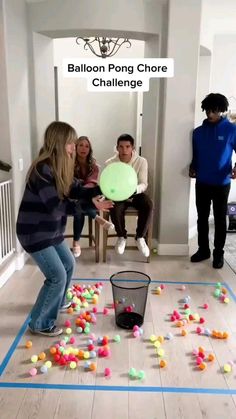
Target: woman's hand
[{"x": 102, "y": 204}]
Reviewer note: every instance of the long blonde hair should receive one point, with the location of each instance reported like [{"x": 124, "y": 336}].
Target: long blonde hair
[
  {"x": 90, "y": 160},
  {"x": 53, "y": 152}
]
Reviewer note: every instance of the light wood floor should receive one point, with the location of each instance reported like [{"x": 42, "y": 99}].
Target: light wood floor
[{"x": 179, "y": 391}]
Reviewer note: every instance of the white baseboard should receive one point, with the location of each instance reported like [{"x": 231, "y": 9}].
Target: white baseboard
[
  {"x": 16, "y": 263},
  {"x": 172, "y": 249},
  {"x": 6, "y": 272},
  {"x": 20, "y": 260}
]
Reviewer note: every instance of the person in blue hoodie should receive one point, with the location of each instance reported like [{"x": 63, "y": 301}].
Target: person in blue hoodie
[{"x": 213, "y": 145}]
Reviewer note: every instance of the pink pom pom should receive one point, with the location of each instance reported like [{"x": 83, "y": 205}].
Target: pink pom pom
[
  {"x": 106, "y": 352},
  {"x": 135, "y": 328},
  {"x": 105, "y": 311},
  {"x": 206, "y": 306},
  {"x": 72, "y": 339},
  {"x": 201, "y": 355},
  {"x": 136, "y": 334},
  {"x": 199, "y": 330},
  {"x": 92, "y": 336},
  {"x": 33, "y": 372},
  {"x": 202, "y": 320},
  {"x": 195, "y": 352},
  {"x": 107, "y": 372},
  {"x": 199, "y": 360},
  {"x": 178, "y": 316},
  {"x": 172, "y": 318},
  {"x": 100, "y": 352},
  {"x": 183, "y": 288},
  {"x": 91, "y": 347},
  {"x": 162, "y": 286},
  {"x": 175, "y": 312},
  {"x": 128, "y": 309},
  {"x": 67, "y": 323},
  {"x": 95, "y": 310}
]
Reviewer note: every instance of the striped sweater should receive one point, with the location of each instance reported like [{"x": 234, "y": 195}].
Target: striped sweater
[{"x": 42, "y": 214}]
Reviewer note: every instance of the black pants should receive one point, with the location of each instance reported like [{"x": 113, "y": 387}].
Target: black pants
[
  {"x": 143, "y": 204},
  {"x": 219, "y": 197}
]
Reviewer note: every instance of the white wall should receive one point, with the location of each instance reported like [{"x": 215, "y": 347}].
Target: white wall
[
  {"x": 99, "y": 115},
  {"x": 203, "y": 86},
  {"x": 16, "y": 33},
  {"x": 178, "y": 121},
  {"x": 42, "y": 88},
  {"x": 5, "y": 145},
  {"x": 60, "y": 18},
  {"x": 224, "y": 63}
]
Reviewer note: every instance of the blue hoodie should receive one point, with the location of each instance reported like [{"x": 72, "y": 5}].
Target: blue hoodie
[{"x": 213, "y": 145}]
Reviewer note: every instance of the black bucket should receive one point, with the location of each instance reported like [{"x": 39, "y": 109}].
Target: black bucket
[{"x": 130, "y": 289}]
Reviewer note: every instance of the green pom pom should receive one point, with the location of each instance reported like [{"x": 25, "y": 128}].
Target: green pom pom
[
  {"x": 69, "y": 295},
  {"x": 117, "y": 338},
  {"x": 217, "y": 293},
  {"x": 132, "y": 373},
  {"x": 141, "y": 375}
]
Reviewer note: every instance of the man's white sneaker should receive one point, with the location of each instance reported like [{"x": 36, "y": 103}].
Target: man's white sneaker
[
  {"x": 120, "y": 245},
  {"x": 142, "y": 247}
]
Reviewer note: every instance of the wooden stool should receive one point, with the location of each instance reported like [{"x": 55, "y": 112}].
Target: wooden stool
[
  {"x": 131, "y": 212},
  {"x": 93, "y": 238}
]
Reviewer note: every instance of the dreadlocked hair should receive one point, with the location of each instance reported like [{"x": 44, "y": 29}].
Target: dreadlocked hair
[{"x": 215, "y": 102}]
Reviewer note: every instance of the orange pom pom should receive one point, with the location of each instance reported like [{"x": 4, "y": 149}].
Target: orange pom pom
[
  {"x": 70, "y": 310},
  {"x": 42, "y": 356},
  {"x": 184, "y": 332},
  {"x": 81, "y": 354},
  {"x": 163, "y": 363},
  {"x": 202, "y": 366},
  {"x": 93, "y": 366},
  {"x": 211, "y": 357},
  {"x": 28, "y": 344}
]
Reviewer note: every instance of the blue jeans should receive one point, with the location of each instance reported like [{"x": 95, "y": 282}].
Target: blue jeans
[
  {"x": 78, "y": 223},
  {"x": 57, "y": 264}
]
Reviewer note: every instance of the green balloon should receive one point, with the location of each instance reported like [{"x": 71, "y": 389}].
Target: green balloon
[{"x": 118, "y": 181}]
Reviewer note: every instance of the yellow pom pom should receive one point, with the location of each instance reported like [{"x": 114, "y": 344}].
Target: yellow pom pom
[
  {"x": 160, "y": 352},
  {"x": 34, "y": 358},
  {"x": 227, "y": 368},
  {"x": 48, "y": 364}
]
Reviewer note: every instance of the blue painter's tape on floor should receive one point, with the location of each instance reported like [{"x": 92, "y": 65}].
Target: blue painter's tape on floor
[
  {"x": 140, "y": 389},
  {"x": 230, "y": 291},
  {"x": 14, "y": 345}
]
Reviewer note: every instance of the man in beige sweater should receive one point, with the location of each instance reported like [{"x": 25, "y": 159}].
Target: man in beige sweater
[{"x": 140, "y": 200}]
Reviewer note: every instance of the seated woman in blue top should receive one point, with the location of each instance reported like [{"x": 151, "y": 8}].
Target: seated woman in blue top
[
  {"x": 42, "y": 219},
  {"x": 86, "y": 171}
]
